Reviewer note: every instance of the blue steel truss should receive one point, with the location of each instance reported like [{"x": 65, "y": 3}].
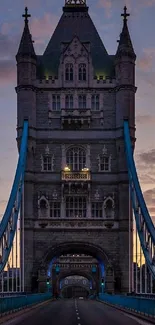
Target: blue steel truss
[
  {"x": 8, "y": 225},
  {"x": 144, "y": 224}
]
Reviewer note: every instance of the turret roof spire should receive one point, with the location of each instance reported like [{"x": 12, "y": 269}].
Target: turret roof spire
[
  {"x": 26, "y": 43},
  {"x": 125, "y": 44}
]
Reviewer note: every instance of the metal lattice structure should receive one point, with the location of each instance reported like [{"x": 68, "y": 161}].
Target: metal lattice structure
[
  {"x": 11, "y": 227},
  {"x": 145, "y": 230}
]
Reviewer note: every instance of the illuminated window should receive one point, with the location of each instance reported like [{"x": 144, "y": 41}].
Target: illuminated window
[
  {"x": 69, "y": 102},
  {"x": 95, "y": 102},
  {"x": 82, "y": 101},
  {"x": 76, "y": 207},
  {"x": 76, "y": 158},
  {"x": 56, "y": 105},
  {"x": 97, "y": 210},
  {"x": 82, "y": 72},
  {"x": 55, "y": 211},
  {"x": 69, "y": 72}
]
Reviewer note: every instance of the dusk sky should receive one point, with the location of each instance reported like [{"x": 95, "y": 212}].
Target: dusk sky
[{"x": 107, "y": 19}]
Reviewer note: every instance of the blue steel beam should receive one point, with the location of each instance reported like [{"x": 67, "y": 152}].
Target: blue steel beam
[
  {"x": 8, "y": 225},
  {"x": 144, "y": 224}
]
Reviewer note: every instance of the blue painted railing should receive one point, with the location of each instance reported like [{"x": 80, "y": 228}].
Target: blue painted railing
[
  {"x": 140, "y": 305},
  {"x": 8, "y": 304}
]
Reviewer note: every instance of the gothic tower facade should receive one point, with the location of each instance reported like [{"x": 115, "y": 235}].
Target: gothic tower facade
[{"x": 76, "y": 193}]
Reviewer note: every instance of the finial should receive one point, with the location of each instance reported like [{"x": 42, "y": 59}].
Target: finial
[
  {"x": 75, "y": 2},
  {"x": 125, "y": 14},
  {"x": 26, "y": 15}
]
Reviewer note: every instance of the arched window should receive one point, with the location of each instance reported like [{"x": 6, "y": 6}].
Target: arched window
[
  {"x": 95, "y": 102},
  {"x": 69, "y": 101},
  {"x": 76, "y": 159},
  {"x": 82, "y": 99},
  {"x": 43, "y": 204},
  {"x": 82, "y": 72},
  {"x": 76, "y": 207},
  {"x": 69, "y": 72},
  {"x": 109, "y": 211}
]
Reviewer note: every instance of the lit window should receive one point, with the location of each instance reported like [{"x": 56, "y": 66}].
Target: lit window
[
  {"x": 55, "y": 210},
  {"x": 69, "y": 72},
  {"x": 97, "y": 210},
  {"x": 95, "y": 102},
  {"x": 76, "y": 207},
  {"x": 56, "y": 106},
  {"x": 82, "y": 72},
  {"x": 82, "y": 101},
  {"x": 47, "y": 163},
  {"x": 76, "y": 158},
  {"x": 69, "y": 101}
]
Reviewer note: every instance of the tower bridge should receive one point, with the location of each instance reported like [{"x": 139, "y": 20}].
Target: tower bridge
[{"x": 76, "y": 190}]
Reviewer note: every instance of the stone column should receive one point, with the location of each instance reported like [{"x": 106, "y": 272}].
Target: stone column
[
  {"x": 89, "y": 101},
  {"x": 88, "y": 209},
  {"x": 63, "y": 213},
  {"x": 63, "y": 155},
  {"x": 109, "y": 280},
  {"x": 76, "y": 103},
  {"x": 42, "y": 278},
  {"x": 88, "y": 165}
]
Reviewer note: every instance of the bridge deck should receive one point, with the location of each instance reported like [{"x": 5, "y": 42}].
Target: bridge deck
[{"x": 75, "y": 312}]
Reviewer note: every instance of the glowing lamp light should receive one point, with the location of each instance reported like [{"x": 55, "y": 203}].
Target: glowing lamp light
[
  {"x": 67, "y": 169},
  {"x": 85, "y": 169}
]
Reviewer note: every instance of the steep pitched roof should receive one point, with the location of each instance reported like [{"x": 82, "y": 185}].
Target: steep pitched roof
[{"x": 76, "y": 22}]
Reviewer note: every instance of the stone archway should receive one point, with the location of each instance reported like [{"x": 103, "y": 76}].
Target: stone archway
[
  {"x": 78, "y": 272},
  {"x": 77, "y": 247},
  {"x": 84, "y": 290}
]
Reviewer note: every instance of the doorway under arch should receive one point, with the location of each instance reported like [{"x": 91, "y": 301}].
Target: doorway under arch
[{"x": 78, "y": 247}]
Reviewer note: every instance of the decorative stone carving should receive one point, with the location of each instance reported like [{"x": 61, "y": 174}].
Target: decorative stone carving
[
  {"x": 47, "y": 150},
  {"x": 104, "y": 150},
  {"x": 97, "y": 195},
  {"x": 55, "y": 195}
]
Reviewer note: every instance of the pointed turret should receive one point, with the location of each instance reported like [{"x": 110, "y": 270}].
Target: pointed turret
[
  {"x": 26, "y": 43},
  {"x": 26, "y": 57},
  {"x": 26, "y": 77},
  {"x": 125, "y": 76},
  {"x": 125, "y": 46}
]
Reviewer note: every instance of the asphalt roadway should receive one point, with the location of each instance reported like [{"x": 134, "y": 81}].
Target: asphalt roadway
[{"x": 74, "y": 312}]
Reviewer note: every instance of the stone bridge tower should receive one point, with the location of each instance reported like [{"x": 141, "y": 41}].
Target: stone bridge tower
[{"x": 76, "y": 195}]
